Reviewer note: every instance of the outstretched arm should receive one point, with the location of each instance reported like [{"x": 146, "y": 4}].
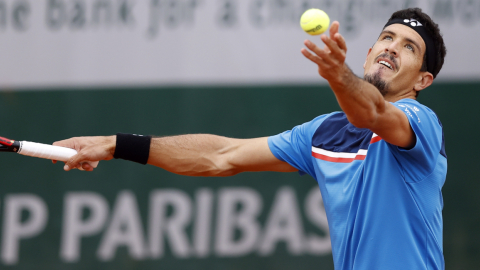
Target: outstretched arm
[
  {"x": 193, "y": 155},
  {"x": 363, "y": 104}
]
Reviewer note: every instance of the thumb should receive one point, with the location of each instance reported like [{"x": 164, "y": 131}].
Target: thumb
[{"x": 74, "y": 162}]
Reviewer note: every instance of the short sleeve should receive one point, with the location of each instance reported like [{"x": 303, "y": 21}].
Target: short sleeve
[
  {"x": 419, "y": 161},
  {"x": 295, "y": 146}
]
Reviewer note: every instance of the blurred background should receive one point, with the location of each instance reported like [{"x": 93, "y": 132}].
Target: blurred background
[{"x": 228, "y": 67}]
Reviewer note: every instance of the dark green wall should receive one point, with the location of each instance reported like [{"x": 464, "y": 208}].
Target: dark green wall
[
  {"x": 242, "y": 112},
  {"x": 458, "y": 109}
]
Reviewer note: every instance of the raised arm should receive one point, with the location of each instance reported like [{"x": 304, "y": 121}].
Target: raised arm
[
  {"x": 361, "y": 101},
  {"x": 192, "y": 155}
]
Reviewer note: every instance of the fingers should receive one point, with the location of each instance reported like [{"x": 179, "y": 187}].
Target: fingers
[
  {"x": 90, "y": 165},
  {"x": 330, "y": 59},
  {"x": 337, "y": 37},
  {"x": 325, "y": 55},
  {"x": 93, "y": 164},
  {"x": 73, "y": 162},
  {"x": 87, "y": 167},
  {"x": 83, "y": 166},
  {"x": 87, "y": 159},
  {"x": 335, "y": 50},
  {"x": 69, "y": 143},
  {"x": 314, "y": 48},
  {"x": 79, "y": 161},
  {"x": 340, "y": 42},
  {"x": 326, "y": 49},
  {"x": 317, "y": 57},
  {"x": 334, "y": 28},
  {"x": 90, "y": 150}
]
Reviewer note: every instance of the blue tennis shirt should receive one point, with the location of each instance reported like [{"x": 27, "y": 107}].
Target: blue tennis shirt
[{"x": 383, "y": 203}]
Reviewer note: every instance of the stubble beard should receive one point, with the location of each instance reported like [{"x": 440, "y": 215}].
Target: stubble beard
[{"x": 377, "y": 81}]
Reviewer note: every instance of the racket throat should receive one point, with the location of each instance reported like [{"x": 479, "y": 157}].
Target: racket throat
[{"x": 13, "y": 147}]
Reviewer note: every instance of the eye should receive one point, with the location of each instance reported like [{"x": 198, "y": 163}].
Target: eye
[
  {"x": 387, "y": 38},
  {"x": 410, "y": 47}
]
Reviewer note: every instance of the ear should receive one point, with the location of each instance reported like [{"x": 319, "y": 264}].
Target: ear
[
  {"x": 424, "y": 81},
  {"x": 369, "y": 51}
]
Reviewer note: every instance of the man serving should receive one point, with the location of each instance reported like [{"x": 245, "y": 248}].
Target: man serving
[{"x": 380, "y": 163}]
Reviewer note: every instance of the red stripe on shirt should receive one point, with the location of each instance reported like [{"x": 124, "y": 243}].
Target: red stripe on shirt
[
  {"x": 338, "y": 159},
  {"x": 375, "y": 139}
]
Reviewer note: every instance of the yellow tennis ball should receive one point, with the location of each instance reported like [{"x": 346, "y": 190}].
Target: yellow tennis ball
[{"x": 314, "y": 21}]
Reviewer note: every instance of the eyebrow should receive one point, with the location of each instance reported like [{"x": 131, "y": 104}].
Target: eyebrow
[{"x": 407, "y": 39}]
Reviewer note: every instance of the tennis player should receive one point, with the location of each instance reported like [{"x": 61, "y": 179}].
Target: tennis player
[{"x": 380, "y": 163}]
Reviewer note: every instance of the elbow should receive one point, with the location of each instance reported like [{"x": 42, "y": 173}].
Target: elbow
[
  {"x": 205, "y": 168},
  {"x": 223, "y": 169},
  {"x": 210, "y": 173},
  {"x": 223, "y": 166}
]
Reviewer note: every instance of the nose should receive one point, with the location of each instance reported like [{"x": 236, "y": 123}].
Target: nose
[{"x": 392, "y": 48}]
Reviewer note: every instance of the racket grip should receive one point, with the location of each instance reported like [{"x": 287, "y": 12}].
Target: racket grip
[{"x": 47, "y": 151}]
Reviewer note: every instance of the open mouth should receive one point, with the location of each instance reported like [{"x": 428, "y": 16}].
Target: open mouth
[{"x": 385, "y": 63}]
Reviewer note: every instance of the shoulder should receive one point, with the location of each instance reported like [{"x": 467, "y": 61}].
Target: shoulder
[
  {"x": 412, "y": 104},
  {"x": 416, "y": 111},
  {"x": 425, "y": 123}
]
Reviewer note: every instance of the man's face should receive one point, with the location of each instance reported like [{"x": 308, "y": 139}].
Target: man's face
[{"x": 393, "y": 64}]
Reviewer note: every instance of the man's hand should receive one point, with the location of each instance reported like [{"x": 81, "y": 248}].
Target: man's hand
[
  {"x": 90, "y": 151},
  {"x": 331, "y": 59}
]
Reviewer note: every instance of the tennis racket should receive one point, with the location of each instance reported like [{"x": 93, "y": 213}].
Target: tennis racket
[{"x": 38, "y": 150}]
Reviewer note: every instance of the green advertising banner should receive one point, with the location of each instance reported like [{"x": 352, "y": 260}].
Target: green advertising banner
[{"x": 128, "y": 216}]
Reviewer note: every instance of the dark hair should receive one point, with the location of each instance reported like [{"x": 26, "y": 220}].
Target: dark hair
[{"x": 433, "y": 30}]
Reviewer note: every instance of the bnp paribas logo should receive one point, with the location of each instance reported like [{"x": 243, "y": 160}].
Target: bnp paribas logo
[{"x": 412, "y": 22}]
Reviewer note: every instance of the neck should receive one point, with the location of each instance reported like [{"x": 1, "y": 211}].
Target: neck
[{"x": 398, "y": 96}]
